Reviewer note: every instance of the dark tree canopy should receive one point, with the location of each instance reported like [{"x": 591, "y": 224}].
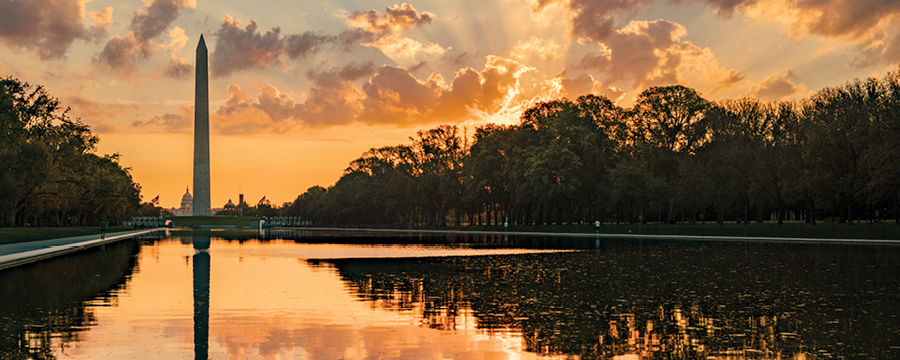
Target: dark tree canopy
[
  {"x": 674, "y": 155},
  {"x": 49, "y": 174}
]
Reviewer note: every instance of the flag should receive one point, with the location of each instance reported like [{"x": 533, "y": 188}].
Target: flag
[
  {"x": 261, "y": 200},
  {"x": 155, "y": 200}
]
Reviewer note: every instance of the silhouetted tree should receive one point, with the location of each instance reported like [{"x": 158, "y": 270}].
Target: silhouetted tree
[
  {"x": 834, "y": 153},
  {"x": 49, "y": 174}
]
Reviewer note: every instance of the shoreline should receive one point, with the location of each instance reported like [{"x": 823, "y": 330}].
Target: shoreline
[
  {"x": 612, "y": 236},
  {"x": 16, "y": 254}
]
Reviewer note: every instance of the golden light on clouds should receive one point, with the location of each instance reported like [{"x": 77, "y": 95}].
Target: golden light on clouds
[
  {"x": 403, "y": 49},
  {"x": 293, "y": 69},
  {"x": 547, "y": 49}
]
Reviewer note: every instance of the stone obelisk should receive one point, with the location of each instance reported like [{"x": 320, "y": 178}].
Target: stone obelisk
[{"x": 201, "y": 206}]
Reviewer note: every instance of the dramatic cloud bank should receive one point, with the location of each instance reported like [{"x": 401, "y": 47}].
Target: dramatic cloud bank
[
  {"x": 651, "y": 53},
  {"x": 871, "y": 24},
  {"x": 391, "y": 95},
  {"x": 406, "y": 67},
  {"x": 120, "y": 53},
  {"x": 49, "y": 27},
  {"x": 239, "y": 49},
  {"x": 394, "y": 20}
]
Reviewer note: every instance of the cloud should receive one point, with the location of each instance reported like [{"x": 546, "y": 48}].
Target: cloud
[
  {"x": 728, "y": 80},
  {"x": 241, "y": 49},
  {"x": 242, "y": 115},
  {"x": 727, "y": 8},
  {"x": 305, "y": 44},
  {"x": 237, "y": 102},
  {"x": 178, "y": 68},
  {"x": 177, "y": 39},
  {"x": 395, "y": 96},
  {"x": 391, "y": 95},
  {"x": 733, "y": 78},
  {"x": 102, "y": 19},
  {"x": 121, "y": 53},
  {"x": 383, "y": 32},
  {"x": 249, "y": 122},
  {"x": 873, "y": 25},
  {"x": 402, "y": 49},
  {"x": 395, "y": 20},
  {"x": 238, "y": 49},
  {"x": 279, "y": 106},
  {"x": 572, "y": 88},
  {"x": 776, "y": 87},
  {"x": 334, "y": 98},
  {"x": 151, "y": 22},
  {"x": 180, "y": 122},
  {"x": 829, "y": 18},
  {"x": 837, "y": 18},
  {"x": 643, "y": 53},
  {"x": 650, "y": 53},
  {"x": 881, "y": 47},
  {"x": 103, "y": 127},
  {"x": 47, "y": 27},
  {"x": 595, "y": 20}
]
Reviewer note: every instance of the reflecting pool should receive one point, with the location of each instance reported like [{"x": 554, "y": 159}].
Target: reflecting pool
[{"x": 334, "y": 295}]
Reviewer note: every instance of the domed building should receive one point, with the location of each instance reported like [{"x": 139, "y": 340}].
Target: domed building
[{"x": 187, "y": 202}]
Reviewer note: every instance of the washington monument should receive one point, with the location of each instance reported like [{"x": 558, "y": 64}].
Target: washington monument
[{"x": 201, "y": 203}]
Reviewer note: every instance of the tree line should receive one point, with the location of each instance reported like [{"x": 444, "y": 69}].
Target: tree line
[
  {"x": 49, "y": 172},
  {"x": 675, "y": 156}
]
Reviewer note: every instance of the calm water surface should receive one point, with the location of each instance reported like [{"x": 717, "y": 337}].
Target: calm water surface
[{"x": 310, "y": 295}]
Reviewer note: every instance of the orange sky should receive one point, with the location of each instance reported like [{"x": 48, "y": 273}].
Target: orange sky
[{"x": 299, "y": 89}]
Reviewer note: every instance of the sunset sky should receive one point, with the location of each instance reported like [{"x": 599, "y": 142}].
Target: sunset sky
[{"x": 300, "y": 88}]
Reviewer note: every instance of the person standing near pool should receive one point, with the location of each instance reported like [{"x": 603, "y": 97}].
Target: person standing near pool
[{"x": 102, "y": 229}]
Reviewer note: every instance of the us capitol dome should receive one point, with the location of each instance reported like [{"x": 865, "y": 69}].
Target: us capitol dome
[{"x": 186, "y": 202}]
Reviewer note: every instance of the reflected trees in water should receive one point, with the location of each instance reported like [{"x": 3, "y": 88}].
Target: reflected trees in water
[
  {"x": 658, "y": 301},
  {"x": 53, "y": 305}
]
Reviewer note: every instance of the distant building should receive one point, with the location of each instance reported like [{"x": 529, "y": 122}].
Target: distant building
[
  {"x": 229, "y": 210},
  {"x": 187, "y": 203}
]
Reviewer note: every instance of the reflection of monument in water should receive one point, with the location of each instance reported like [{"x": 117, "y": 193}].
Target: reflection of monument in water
[
  {"x": 201, "y": 296},
  {"x": 201, "y": 201}
]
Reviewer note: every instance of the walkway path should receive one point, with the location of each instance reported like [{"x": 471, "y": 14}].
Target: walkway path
[{"x": 25, "y": 252}]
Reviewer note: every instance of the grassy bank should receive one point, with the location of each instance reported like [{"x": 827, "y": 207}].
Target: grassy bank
[
  {"x": 183, "y": 221},
  {"x": 883, "y": 231},
  {"x": 865, "y": 230},
  {"x": 9, "y": 235}
]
